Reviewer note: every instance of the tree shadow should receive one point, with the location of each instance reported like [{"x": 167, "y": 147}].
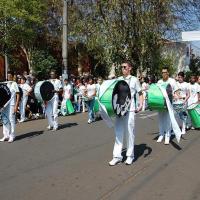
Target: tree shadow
[
  {"x": 67, "y": 125},
  {"x": 139, "y": 150},
  {"x": 29, "y": 135}
]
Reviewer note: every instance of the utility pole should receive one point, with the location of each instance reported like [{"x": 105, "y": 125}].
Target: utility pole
[{"x": 65, "y": 41}]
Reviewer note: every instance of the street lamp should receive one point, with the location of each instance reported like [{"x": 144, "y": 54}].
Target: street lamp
[{"x": 64, "y": 41}]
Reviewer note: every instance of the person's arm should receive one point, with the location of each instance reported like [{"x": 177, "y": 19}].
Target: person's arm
[
  {"x": 17, "y": 102},
  {"x": 141, "y": 99}
]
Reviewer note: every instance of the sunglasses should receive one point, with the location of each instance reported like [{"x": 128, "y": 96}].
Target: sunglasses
[{"x": 124, "y": 67}]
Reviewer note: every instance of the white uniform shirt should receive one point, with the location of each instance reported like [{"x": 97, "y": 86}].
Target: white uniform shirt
[
  {"x": 135, "y": 87},
  {"x": 194, "y": 89},
  {"x": 82, "y": 89},
  {"x": 170, "y": 81},
  {"x": 184, "y": 89},
  {"x": 91, "y": 90},
  {"x": 67, "y": 90},
  {"x": 26, "y": 88},
  {"x": 13, "y": 89}
]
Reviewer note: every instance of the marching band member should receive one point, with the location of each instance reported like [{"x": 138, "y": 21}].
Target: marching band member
[
  {"x": 10, "y": 110},
  {"x": 26, "y": 89},
  {"x": 184, "y": 96},
  {"x": 126, "y": 124},
  {"x": 52, "y": 105},
  {"x": 164, "y": 118}
]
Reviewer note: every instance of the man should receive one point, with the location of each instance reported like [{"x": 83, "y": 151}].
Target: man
[
  {"x": 52, "y": 105},
  {"x": 164, "y": 118},
  {"x": 26, "y": 89},
  {"x": 10, "y": 109},
  {"x": 126, "y": 124}
]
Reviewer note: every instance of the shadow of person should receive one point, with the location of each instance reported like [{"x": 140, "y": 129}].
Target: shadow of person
[
  {"x": 139, "y": 150},
  {"x": 67, "y": 125},
  {"x": 29, "y": 135},
  {"x": 175, "y": 145}
]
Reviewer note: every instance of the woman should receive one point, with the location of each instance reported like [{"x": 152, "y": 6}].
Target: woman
[{"x": 89, "y": 98}]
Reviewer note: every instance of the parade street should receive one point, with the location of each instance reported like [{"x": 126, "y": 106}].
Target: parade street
[{"x": 72, "y": 163}]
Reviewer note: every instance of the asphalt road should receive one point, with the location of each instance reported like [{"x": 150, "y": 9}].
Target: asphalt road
[{"x": 72, "y": 163}]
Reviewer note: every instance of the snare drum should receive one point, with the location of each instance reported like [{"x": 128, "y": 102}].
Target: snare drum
[{"x": 44, "y": 91}]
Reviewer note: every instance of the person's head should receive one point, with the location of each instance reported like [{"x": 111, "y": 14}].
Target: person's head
[
  {"x": 52, "y": 74},
  {"x": 165, "y": 73},
  {"x": 10, "y": 75},
  {"x": 100, "y": 80},
  {"x": 192, "y": 79},
  {"x": 181, "y": 76},
  {"x": 126, "y": 68},
  {"x": 66, "y": 81},
  {"x": 23, "y": 80},
  {"x": 90, "y": 80}
]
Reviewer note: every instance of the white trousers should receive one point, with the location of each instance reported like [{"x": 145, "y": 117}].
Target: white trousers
[
  {"x": 52, "y": 112},
  {"x": 9, "y": 125},
  {"x": 164, "y": 123},
  {"x": 124, "y": 125},
  {"x": 22, "y": 107}
]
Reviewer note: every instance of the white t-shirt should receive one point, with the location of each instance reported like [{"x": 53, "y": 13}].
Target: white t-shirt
[
  {"x": 67, "y": 91},
  {"x": 91, "y": 90},
  {"x": 134, "y": 86},
  {"x": 82, "y": 89},
  {"x": 26, "y": 88},
  {"x": 184, "y": 88},
  {"x": 194, "y": 89},
  {"x": 13, "y": 89},
  {"x": 170, "y": 81}
]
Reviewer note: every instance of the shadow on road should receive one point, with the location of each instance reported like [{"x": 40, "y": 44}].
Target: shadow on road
[
  {"x": 140, "y": 150},
  {"x": 29, "y": 135},
  {"x": 67, "y": 125}
]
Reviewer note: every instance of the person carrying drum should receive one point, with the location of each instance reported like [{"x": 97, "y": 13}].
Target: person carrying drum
[
  {"x": 52, "y": 105},
  {"x": 126, "y": 124},
  {"x": 10, "y": 109},
  {"x": 26, "y": 89},
  {"x": 163, "y": 116},
  {"x": 180, "y": 104}
]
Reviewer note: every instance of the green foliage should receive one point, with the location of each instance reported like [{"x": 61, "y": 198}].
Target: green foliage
[
  {"x": 195, "y": 65},
  {"x": 42, "y": 63}
]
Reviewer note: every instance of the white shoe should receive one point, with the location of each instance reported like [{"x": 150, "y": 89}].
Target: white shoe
[
  {"x": 167, "y": 139},
  {"x": 115, "y": 161},
  {"x": 129, "y": 160},
  {"x": 192, "y": 128},
  {"x": 49, "y": 127},
  {"x": 21, "y": 120},
  {"x": 55, "y": 129},
  {"x": 11, "y": 139},
  {"x": 160, "y": 138},
  {"x": 89, "y": 121},
  {"x": 3, "y": 139}
]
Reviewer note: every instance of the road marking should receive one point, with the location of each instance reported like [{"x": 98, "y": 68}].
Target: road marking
[{"x": 147, "y": 116}]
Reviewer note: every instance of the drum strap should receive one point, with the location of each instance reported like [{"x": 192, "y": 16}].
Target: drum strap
[{"x": 174, "y": 123}]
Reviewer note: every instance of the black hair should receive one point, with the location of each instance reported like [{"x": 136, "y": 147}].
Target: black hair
[{"x": 181, "y": 74}]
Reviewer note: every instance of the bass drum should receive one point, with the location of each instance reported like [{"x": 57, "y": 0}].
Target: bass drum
[
  {"x": 115, "y": 95},
  {"x": 44, "y": 91},
  {"x": 155, "y": 98},
  {"x": 5, "y": 94}
]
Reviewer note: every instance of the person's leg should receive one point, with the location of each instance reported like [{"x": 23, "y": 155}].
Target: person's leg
[
  {"x": 6, "y": 123},
  {"x": 161, "y": 126},
  {"x": 49, "y": 113},
  {"x": 12, "y": 123},
  {"x": 55, "y": 113},
  {"x": 130, "y": 136}
]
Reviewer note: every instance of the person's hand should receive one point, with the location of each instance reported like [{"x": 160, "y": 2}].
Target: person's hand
[
  {"x": 139, "y": 108},
  {"x": 15, "y": 110}
]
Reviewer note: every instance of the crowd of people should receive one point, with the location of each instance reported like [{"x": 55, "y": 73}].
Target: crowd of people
[{"x": 80, "y": 94}]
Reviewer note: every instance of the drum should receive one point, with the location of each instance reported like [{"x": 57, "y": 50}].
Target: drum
[
  {"x": 194, "y": 112},
  {"x": 155, "y": 98},
  {"x": 44, "y": 91},
  {"x": 115, "y": 95},
  {"x": 5, "y": 94}
]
